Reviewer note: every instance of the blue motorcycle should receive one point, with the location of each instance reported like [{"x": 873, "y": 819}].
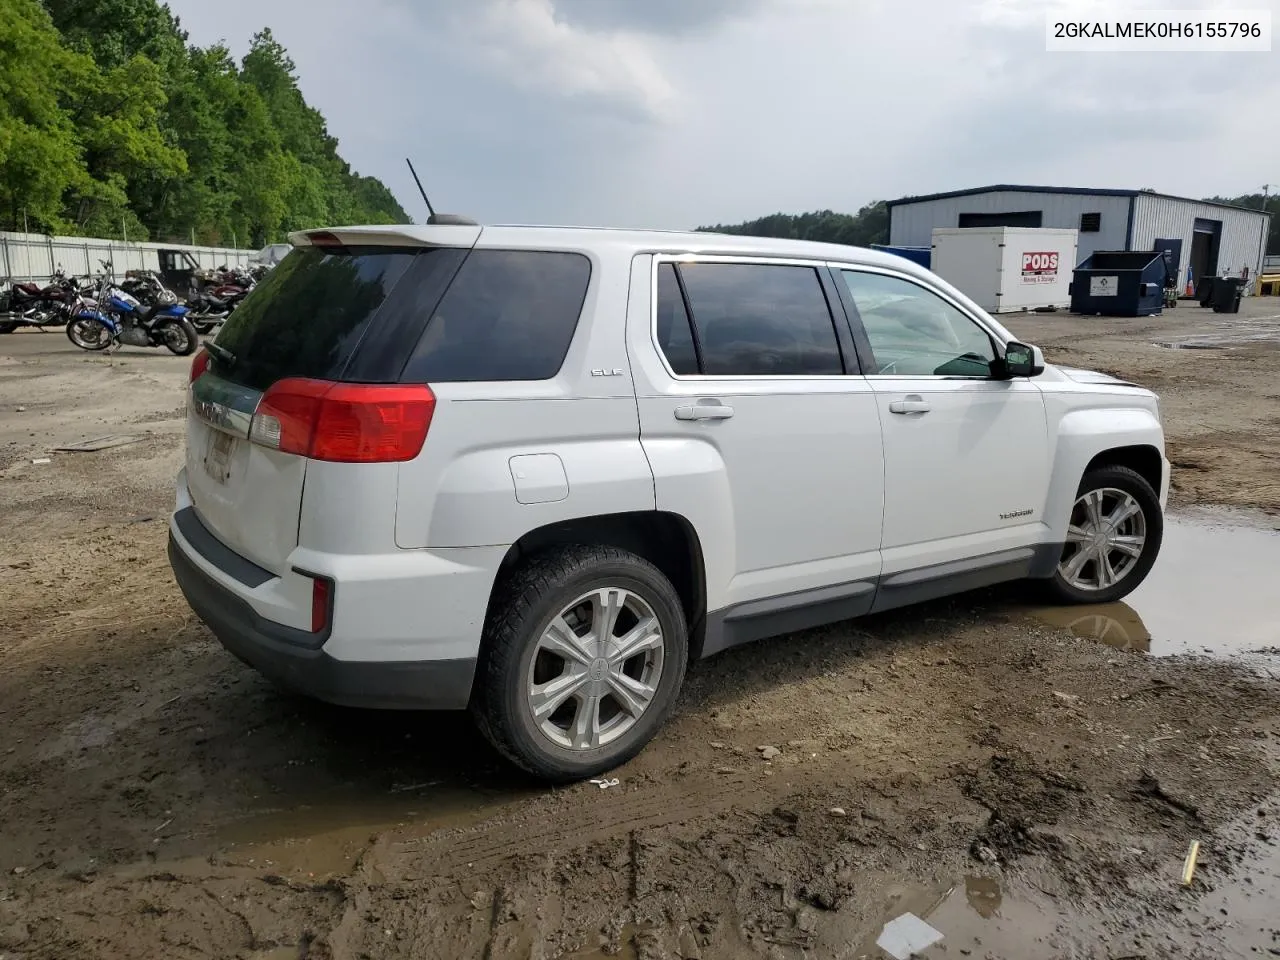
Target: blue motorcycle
[{"x": 115, "y": 318}]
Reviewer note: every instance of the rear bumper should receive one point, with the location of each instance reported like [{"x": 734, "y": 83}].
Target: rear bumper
[
  {"x": 387, "y": 684},
  {"x": 404, "y": 627}
]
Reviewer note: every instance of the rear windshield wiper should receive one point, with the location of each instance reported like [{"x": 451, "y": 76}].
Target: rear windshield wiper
[{"x": 220, "y": 353}]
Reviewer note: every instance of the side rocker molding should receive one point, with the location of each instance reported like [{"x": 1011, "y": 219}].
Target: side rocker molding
[{"x": 758, "y": 619}]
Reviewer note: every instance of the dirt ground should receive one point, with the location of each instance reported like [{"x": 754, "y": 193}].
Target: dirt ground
[{"x": 1027, "y": 792}]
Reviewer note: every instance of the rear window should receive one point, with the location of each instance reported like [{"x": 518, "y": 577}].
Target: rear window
[
  {"x": 307, "y": 316},
  {"x": 508, "y": 315}
]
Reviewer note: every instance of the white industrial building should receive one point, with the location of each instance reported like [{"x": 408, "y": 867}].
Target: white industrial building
[{"x": 1217, "y": 239}]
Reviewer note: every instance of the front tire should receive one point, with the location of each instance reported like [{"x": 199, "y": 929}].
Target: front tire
[
  {"x": 583, "y": 656},
  {"x": 89, "y": 334},
  {"x": 1113, "y": 537}
]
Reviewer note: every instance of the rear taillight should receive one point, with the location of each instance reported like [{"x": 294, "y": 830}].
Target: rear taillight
[
  {"x": 199, "y": 364},
  {"x": 344, "y": 422},
  {"x": 321, "y": 603}
]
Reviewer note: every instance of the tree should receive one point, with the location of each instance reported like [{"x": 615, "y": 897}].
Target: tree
[
  {"x": 869, "y": 225},
  {"x": 110, "y": 122},
  {"x": 40, "y": 151}
]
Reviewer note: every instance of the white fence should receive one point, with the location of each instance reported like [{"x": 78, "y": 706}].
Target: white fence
[{"x": 34, "y": 256}]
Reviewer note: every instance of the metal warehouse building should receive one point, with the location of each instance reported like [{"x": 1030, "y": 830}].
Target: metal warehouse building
[{"x": 1217, "y": 239}]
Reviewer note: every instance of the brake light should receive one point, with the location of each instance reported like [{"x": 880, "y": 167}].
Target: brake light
[
  {"x": 344, "y": 422},
  {"x": 321, "y": 595},
  {"x": 324, "y": 240},
  {"x": 199, "y": 364}
]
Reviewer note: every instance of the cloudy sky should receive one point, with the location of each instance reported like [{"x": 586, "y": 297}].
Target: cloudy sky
[{"x": 676, "y": 113}]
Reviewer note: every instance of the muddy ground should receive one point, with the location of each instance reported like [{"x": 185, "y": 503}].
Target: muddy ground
[{"x": 1027, "y": 792}]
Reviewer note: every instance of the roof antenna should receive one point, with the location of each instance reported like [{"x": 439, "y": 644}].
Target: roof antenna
[{"x": 437, "y": 219}]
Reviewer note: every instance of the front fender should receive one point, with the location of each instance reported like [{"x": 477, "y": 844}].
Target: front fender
[
  {"x": 101, "y": 318},
  {"x": 1081, "y": 436}
]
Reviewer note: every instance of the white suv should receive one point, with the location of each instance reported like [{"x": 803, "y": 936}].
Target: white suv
[{"x": 534, "y": 472}]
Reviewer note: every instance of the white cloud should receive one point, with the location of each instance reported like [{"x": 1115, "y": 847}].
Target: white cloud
[
  {"x": 512, "y": 108},
  {"x": 526, "y": 42}
]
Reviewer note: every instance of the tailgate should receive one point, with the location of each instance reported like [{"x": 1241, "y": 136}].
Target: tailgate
[
  {"x": 247, "y": 495},
  {"x": 325, "y": 314}
]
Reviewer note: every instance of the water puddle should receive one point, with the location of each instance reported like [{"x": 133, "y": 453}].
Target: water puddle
[
  {"x": 1241, "y": 907},
  {"x": 1238, "y": 331},
  {"x": 327, "y": 838},
  {"x": 1213, "y": 590},
  {"x": 978, "y": 916}
]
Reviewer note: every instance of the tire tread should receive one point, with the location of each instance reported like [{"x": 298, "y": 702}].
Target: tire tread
[
  {"x": 1114, "y": 475},
  {"x": 505, "y": 637}
]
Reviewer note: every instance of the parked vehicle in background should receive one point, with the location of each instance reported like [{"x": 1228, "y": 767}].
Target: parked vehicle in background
[
  {"x": 219, "y": 293},
  {"x": 32, "y": 305},
  {"x": 114, "y": 317},
  {"x": 534, "y": 472}
]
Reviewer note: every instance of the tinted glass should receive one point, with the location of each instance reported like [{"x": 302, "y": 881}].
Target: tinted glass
[
  {"x": 508, "y": 315},
  {"x": 914, "y": 332},
  {"x": 675, "y": 338},
  {"x": 761, "y": 320},
  {"x": 308, "y": 314}
]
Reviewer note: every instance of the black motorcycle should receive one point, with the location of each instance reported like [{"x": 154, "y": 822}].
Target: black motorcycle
[{"x": 218, "y": 298}]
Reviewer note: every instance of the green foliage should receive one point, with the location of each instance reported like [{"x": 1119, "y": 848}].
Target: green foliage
[
  {"x": 111, "y": 123},
  {"x": 1257, "y": 201},
  {"x": 869, "y": 225}
]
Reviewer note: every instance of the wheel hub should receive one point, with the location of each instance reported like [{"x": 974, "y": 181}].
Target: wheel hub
[
  {"x": 1106, "y": 537},
  {"x": 596, "y": 669}
]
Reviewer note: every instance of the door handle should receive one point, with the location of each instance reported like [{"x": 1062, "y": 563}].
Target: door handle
[
  {"x": 913, "y": 403},
  {"x": 704, "y": 410}
]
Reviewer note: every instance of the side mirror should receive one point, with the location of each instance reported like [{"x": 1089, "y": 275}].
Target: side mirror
[{"x": 1021, "y": 360}]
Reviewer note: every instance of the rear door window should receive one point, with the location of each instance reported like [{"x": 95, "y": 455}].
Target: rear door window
[
  {"x": 761, "y": 320},
  {"x": 508, "y": 315}
]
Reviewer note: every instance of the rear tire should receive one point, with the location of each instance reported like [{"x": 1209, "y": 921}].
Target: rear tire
[
  {"x": 180, "y": 337},
  {"x": 548, "y": 696},
  {"x": 1114, "y": 536},
  {"x": 8, "y": 326}
]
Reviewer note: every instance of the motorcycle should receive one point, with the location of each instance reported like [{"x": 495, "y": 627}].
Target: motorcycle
[
  {"x": 223, "y": 292},
  {"x": 29, "y": 305},
  {"x": 117, "y": 318}
]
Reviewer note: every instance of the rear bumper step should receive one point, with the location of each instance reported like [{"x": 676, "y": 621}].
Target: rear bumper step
[{"x": 272, "y": 650}]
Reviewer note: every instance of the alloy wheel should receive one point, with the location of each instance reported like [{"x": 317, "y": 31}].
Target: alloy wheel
[
  {"x": 596, "y": 669},
  {"x": 1105, "y": 539}
]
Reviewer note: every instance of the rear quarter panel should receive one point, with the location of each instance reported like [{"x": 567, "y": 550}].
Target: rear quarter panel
[{"x": 461, "y": 490}]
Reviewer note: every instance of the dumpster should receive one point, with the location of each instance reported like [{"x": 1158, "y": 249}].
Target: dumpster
[
  {"x": 1226, "y": 295},
  {"x": 1119, "y": 283},
  {"x": 920, "y": 255}
]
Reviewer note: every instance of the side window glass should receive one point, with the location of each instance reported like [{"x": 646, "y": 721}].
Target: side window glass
[
  {"x": 914, "y": 332},
  {"x": 508, "y": 315},
  {"x": 675, "y": 338},
  {"x": 761, "y": 320}
]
